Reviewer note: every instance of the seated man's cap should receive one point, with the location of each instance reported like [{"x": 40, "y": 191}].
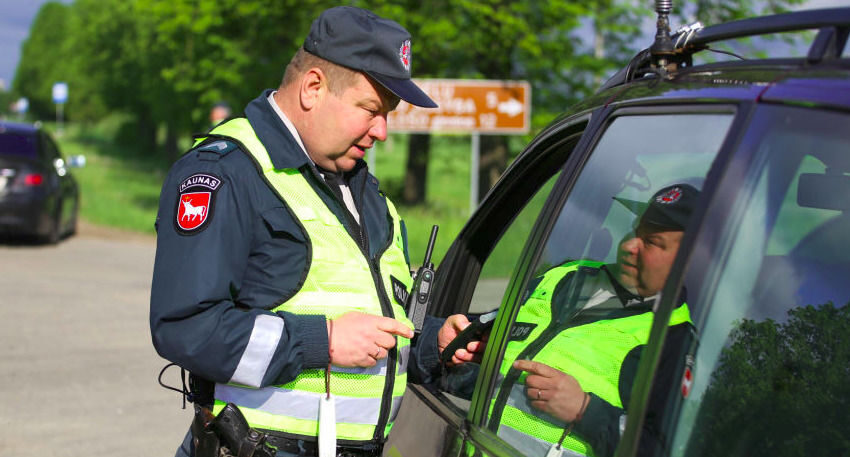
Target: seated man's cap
[
  {"x": 669, "y": 208},
  {"x": 362, "y": 41}
]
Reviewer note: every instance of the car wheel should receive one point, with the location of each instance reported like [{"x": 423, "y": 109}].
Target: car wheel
[
  {"x": 72, "y": 227},
  {"x": 55, "y": 233}
]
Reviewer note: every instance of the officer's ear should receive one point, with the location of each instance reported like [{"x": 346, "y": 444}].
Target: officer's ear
[{"x": 314, "y": 86}]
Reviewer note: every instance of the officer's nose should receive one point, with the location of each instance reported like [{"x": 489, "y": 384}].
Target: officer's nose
[
  {"x": 378, "y": 129},
  {"x": 631, "y": 245}
]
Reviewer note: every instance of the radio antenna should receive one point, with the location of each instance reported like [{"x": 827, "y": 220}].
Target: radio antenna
[{"x": 662, "y": 49}]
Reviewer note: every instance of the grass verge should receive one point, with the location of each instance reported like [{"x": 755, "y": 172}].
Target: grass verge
[{"x": 121, "y": 188}]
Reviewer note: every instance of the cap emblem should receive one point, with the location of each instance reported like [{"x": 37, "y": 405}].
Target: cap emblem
[
  {"x": 671, "y": 196},
  {"x": 404, "y": 54}
]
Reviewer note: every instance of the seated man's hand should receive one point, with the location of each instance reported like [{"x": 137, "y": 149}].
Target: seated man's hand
[
  {"x": 449, "y": 331},
  {"x": 553, "y": 391},
  {"x": 359, "y": 340}
]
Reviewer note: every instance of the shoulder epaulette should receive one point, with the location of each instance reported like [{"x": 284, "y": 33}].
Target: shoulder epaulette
[{"x": 213, "y": 148}]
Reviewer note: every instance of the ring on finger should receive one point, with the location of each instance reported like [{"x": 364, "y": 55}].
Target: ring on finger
[
  {"x": 538, "y": 394},
  {"x": 377, "y": 353}
]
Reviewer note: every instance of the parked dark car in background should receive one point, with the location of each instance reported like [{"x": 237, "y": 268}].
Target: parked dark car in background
[
  {"x": 39, "y": 198},
  {"x": 763, "y": 264}
]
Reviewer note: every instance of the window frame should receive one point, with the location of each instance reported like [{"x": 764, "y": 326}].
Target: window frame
[
  {"x": 728, "y": 189},
  {"x": 721, "y": 183},
  {"x": 602, "y": 118}
]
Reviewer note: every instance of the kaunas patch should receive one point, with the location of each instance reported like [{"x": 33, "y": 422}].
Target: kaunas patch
[{"x": 195, "y": 201}]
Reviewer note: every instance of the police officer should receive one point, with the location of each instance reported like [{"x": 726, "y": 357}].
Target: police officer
[
  {"x": 280, "y": 266},
  {"x": 572, "y": 372}
]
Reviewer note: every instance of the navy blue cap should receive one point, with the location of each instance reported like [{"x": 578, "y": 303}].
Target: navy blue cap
[
  {"x": 669, "y": 208},
  {"x": 363, "y": 41}
]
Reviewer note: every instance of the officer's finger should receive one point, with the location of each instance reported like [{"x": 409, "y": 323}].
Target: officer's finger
[
  {"x": 538, "y": 382},
  {"x": 475, "y": 346},
  {"x": 458, "y": 322},
  {"x": 535, "y": 367},
  {"x": 394, "y": 327},
  {"x": 461, "y": 356},
  {"x": 384, "y": 340}
]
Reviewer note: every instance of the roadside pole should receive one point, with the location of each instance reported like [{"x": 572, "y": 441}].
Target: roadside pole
[
  {"x": 475, "y": 154},
  {"x": 60, "y": 96}
]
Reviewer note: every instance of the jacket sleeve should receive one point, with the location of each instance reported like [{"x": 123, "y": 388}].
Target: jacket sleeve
[{"x": 197, "y": 318}]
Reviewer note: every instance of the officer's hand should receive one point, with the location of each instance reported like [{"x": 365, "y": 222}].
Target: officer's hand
[
  {"x": 360, "y": 340},
  {"x": 553, "y": 391},
  {"x": 449, "y": 331}
]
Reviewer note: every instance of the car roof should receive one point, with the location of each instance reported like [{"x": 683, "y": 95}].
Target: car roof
[
  {"x": 17, "y": 127},
  {"x": 820, "y": 78}
]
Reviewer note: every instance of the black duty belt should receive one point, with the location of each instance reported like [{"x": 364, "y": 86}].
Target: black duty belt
[{"x": 310, "y": 448}]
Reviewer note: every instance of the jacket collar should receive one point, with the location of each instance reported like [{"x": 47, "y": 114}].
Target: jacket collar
[{"x": 283, "y": 150}]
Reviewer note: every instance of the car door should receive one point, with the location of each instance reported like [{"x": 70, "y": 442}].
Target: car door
[
  {"x": 570, "y": 196},
  {"x": 432, "y": 419},
  {"x": 62, "y": 182},
  {"x": 765, "y": 371}
]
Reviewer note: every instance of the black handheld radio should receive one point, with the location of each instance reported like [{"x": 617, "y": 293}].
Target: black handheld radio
[{"x": 420, "y": 294}]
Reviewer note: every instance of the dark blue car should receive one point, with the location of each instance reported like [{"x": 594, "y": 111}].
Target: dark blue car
[
  {"x": 39, "y": 198},
  {"x": 763, "y": 265}
]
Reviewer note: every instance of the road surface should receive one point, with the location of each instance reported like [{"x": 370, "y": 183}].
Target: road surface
[{"x": 79, "y": 372}]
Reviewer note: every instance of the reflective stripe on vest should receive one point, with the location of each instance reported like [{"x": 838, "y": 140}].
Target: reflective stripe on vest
[
  {"x": 592, "y": 353},
  {"x": 339, "y": 280}
]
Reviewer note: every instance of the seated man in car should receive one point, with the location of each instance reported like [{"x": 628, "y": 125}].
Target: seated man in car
[{"x": 574, "y": 349}]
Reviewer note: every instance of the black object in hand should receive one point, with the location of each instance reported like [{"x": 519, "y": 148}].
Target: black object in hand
[{"x": 474, "y": 332}]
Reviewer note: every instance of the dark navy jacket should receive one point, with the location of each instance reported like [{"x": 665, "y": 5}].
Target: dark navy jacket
[{"x": 249, "y": 255}]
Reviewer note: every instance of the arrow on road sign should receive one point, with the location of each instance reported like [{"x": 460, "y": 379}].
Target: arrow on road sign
[{"x": 511, "y": 107}]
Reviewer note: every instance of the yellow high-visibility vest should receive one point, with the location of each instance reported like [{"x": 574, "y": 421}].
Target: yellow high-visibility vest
[{"x": 340, "y": 279}]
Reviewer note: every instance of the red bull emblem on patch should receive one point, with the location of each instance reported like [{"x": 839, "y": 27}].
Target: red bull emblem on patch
[
  {"x": 195, "y": 202},
  {"x": 193, "y": 211},
  {"x": 404, "y": 54},
  {"x": 671, "y": 196}
]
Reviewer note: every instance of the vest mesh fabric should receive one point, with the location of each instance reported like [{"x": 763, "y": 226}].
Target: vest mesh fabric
[
  {"x": 592, "y": 353},
  {"x": 339, "y": 280}
]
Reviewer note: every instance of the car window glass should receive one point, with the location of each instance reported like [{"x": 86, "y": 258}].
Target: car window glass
[
  {"x": 17, "y": 144},
  {"x": 457, "y": 385},
  {"x": 774, "y": 343},
  {"x": 497, "y": 269},
  {"x": 50, "y": 150},
  {"x": 530, "y": 181},
  {"x": 562, "y": 320}
]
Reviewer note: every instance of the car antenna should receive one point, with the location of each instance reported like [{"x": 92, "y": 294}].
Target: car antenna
[{"x": 662, "y": 49}]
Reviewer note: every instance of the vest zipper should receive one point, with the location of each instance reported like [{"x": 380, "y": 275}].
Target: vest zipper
[
  {"x": 387, "y": 310},
  {"x": 392, "y": 354},
  {"x": 552, "y": 330}
]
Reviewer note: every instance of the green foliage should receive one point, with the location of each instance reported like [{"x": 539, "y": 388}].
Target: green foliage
[
  {"x": 44, "y": 59},
  {"x": 115, "y": 190},
  {"x": 167, "y": 62},
  {"x": 780, "y": 388},
  {"x": 717, "y": 11}
]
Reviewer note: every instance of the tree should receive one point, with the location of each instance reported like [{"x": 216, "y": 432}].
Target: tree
[
  {"x": 44, "y": 59},
  {"x": 780, "y": 388},
  {"x": 168, "y": 62}
]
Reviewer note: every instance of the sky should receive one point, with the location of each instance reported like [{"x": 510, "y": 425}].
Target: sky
[
  {"x": 16, "y": 16},
  {"x": 15, "y": 19}
]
